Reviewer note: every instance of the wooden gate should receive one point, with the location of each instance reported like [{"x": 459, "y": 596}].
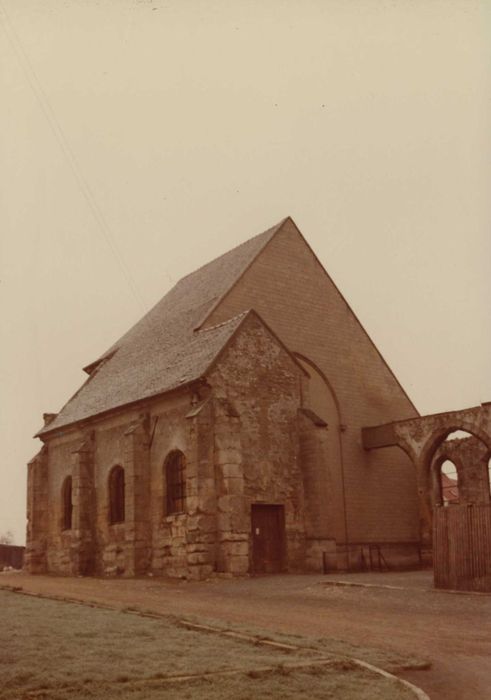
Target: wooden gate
[
  {"x": 462, "y": 547},
  {"x": 268, "y": 538}
]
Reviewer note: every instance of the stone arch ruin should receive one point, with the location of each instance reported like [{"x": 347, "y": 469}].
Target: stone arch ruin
[{"x": 460, "y": 534}]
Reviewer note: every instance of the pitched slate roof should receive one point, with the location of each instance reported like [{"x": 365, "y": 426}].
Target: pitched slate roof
[{"x": 164, "y": 350}]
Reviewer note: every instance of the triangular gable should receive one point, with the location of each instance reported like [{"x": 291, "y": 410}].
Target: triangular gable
[
  {"x": 222, "y": 305},
  {"x": 252, "y": 313}
]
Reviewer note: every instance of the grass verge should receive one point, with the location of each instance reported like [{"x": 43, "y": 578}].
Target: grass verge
[{"x": 65, "y": 651}]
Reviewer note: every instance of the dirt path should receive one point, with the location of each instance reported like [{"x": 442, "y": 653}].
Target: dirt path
[{"x": 454, "y": 631}]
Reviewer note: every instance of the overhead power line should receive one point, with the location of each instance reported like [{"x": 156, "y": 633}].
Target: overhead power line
[{"x": 59, "y": 134}]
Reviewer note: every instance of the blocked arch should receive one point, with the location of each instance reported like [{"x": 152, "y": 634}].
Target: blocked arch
[
  {"x": 331, "y": 521},
  {"x": 321, "y": 374},
  {"x": 116, "y": 493},
  {"x": 175, "y": 483}
]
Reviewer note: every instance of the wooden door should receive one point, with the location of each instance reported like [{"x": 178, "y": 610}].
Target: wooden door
[{"x": 268, "y": 538}]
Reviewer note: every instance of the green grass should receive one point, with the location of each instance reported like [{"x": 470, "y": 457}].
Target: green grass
[
  {"x": 386, "y": 658},
  {"x": 50, "y": 650}
]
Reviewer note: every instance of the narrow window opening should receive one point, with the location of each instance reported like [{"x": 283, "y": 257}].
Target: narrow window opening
[
  {"x": 116, "y": 495},
  {"x": 449, "y": 483},
  {"x": 66, "y": 497},
  {"x": 175, "y": 479}
]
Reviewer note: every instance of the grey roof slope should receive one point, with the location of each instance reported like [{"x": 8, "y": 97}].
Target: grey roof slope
[{"x": 163, "y": 350}]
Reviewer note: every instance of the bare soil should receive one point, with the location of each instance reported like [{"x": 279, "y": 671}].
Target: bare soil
[{"x": 397, "y": 611}]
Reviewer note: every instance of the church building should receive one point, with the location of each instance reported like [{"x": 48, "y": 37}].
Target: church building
[{"x": 222, "y": 434}]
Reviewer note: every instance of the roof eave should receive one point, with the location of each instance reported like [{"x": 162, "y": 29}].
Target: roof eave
[{"x": 84, "y": 422}]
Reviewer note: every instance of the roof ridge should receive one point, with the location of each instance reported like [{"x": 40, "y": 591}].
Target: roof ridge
[
  {"x": 268, "y": 235},
  {"x": 270, "y": 231}
]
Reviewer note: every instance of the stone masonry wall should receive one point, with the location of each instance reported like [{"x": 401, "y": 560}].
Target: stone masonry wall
[
  {"x": 256, "y": 443},
  {"x": 37, "y": 513},
  {"x": 113, "y": 542},
  {"x": 171, "y": 431},
  {"x": 239, "y": 436},
  {"x": 147, "y": 539},
  {"x": 60, "y": 465},
  {"x": 470, "y": 457}
]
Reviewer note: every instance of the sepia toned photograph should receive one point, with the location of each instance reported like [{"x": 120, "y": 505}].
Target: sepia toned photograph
[{"x": 246, "y": 336}]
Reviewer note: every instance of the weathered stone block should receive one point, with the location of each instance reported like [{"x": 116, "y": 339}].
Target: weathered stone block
[
  {"x": 229, "y": 456},
  {"x": 226, "y": 440},
  {"x": 233, "y": 549},
  {"x": 193, "y": 503},
  {"x": 197, "y": 547},
  {"x": 230, "y": 503},
  {"x": 238, "y": 565},
  {"x": 199, "y": 572},
  {"x": 198, "y": 558},
  {"x": 231, "y": 471}
]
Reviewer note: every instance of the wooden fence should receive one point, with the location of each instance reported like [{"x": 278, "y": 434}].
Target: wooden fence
[{"x": 462, "y": 547}]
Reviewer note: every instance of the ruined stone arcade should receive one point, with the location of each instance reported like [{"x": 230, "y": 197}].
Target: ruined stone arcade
[{"x": 460, "y": 535}]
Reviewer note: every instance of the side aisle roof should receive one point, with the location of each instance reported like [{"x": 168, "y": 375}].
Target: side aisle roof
[{"x": 163, "y": 350}]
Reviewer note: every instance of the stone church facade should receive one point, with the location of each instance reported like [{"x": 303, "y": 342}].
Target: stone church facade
[{"x": 222, "y": 434}]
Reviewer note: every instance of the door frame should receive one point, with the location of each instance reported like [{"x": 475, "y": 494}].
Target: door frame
[{"x": 280, "y": 510}]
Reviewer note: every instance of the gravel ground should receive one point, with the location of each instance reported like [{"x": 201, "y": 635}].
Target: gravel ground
[{"x": 452, "y": 630}]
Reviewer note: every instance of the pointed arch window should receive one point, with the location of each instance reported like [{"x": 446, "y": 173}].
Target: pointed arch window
[
  {"x": 116, "y": 495},
  {"x": 449, "y": 483},
  {"x": 175, "y": 480},
  {"x": 67, "y": 503}
]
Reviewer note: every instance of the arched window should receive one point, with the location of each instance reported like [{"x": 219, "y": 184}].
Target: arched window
[
  {"x": 449, "y": 483},
  {"x": 116, "y": 495},
  {"x": 175, "y": 480},
  {"x": 67, "y": 505}
]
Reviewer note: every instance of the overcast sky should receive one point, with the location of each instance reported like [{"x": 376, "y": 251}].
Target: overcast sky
[{"x": 141, "y": 138}]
